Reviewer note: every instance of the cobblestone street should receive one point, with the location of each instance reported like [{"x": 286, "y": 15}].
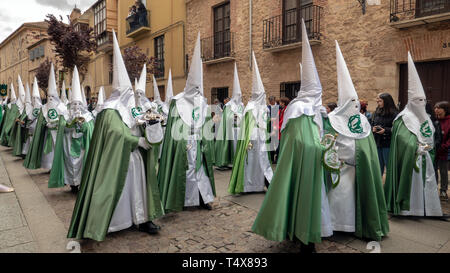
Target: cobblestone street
[{"x": 227, "y": 228}]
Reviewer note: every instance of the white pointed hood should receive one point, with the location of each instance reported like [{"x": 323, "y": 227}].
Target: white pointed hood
[
  {"x": 76, "y": 88},
  {"x": 257, "y": 103},
  {"x": 52, "y": 110},
  {"x": 346, "y": 119},
  {"x": 22, "y": 95},
  {"x": 36, "y": 95},
  {"x": 52, "y": 90},
  {"x": 169, "y": 91},
  {"x": 122, "y": 97},
  {"x": 141, "y": 85},
  {"x": 237, "y": 107},
  {"x": 63, "y": 94},
  {"x": 309, "y": 98},
  {"x": 83, "y": 96},
  {"x": 77, "y": 96},
  {"x": 12, "y": 95},
  {"x": 191, "y": 104},
  {"x": 28, "y": 102},
  {"x": 414, "y": 115},
  {"x": 100, "y": 100},
  {"x": 157, "y": 99}
]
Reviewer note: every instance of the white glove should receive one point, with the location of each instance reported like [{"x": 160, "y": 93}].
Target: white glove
[
  {"x": 143, "y": 143},
  {"x": 422, "y": 149}
]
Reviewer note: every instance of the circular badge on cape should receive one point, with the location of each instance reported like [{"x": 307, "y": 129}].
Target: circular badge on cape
[
  {"x": 354, "y": 124},
  {"x": 196, "y": 114},
  {"x": 425, "y": 129},
  {"x": 240, "y": 109},
  {"x": 52, "y": 114},
  {"x": 3, "y": 92},
  {"x": 136, "y": 111},
  {"x": 35, "y": 112}
]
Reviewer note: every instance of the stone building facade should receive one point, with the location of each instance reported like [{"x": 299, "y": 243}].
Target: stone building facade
[
  {"x": 23, "y": 51},
  {"x": 374, "y": 43}
]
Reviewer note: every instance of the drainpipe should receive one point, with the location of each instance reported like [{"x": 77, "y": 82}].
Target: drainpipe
[{"x": 250, "y": 31}]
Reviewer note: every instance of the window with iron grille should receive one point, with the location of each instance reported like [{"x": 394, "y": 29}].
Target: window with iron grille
[
  {"x": 289, "y": 89},
  {"x": 159, "y": 55},
  {"x": 222, "y": 36},
  {"x": 100, "y": 22}
]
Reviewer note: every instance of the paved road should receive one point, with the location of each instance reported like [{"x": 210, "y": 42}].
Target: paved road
[{"x": 227, "y": 228}]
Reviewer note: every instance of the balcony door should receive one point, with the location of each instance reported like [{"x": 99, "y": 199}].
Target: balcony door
[
  {"x": 293, "y": 11},
  {"x": 431, "y": 7},
  {"x": 222, "y": 36}
]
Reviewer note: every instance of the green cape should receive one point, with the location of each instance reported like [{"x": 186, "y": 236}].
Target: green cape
[
  {"x": 104, "y": 177},
  {"x": 34, "y": 155},
  {"x": 224, "y": 147},
  {"x": 397, "y": 188},
  {"x": 18, "y": 135},
  {"x": 371, "y": 214},
  {"x": 57, "y": 173},
  {"x": 174, "y": 163},
  {"x": 10, "y": 119},
  {"x": 292, "y": 206}
]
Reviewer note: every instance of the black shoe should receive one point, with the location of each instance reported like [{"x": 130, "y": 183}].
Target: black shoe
[
  {"x": 266, "y": 182},
  {"x": 206, "y": 206},
  {"x": 149, "y": 228},
  {"x": 74, "y": 189},
  {"x": 309, "y": 248}
]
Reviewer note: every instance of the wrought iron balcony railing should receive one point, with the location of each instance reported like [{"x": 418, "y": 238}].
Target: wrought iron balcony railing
[
  {"x": 221, "y": 45},
  {"x": 411, "y": 9},
  {"x": 140, "y": 19},
  {"x": 286, "y": 28}
]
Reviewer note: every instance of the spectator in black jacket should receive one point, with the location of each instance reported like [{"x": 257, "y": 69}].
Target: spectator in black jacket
[{"x": 382, "y": 121}]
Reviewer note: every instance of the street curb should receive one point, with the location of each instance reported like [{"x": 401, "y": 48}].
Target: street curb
[{"x": 47, "y": 229}]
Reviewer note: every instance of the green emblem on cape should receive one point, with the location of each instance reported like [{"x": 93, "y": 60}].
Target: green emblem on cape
[
  {"x": 330, "y": 158},
  {"x": 195, "y": 114},
  {"x": 425, "y": 129},
  {"x": 52, "y": 114},
  {"x": 136, "y": 111},
  {"x": 35, "y": 112},
  {"x": 354, "y": 124},
  {"x": 240, "y": 109}
]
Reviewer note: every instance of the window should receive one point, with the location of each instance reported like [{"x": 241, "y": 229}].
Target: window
[
  {"x": 219, "y": 93},
  {"x": 159, "y": 55},
  {"x": 100, "y": 22},
  {"x": 222, "y": 36},
  {"x": 289, "y": 89},
  {"x": 292, "y": 13}
]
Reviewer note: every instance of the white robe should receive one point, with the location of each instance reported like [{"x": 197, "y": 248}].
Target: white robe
[
  {"x": 197, "y": 182},
  {"x": 47, "y": 159},
  {"x": 132, "y": 206},
  {"x": 31, "y": 127},
  {"x": 342, "y": 198},
  {"x": 257, "y": 165},
  {"x": 72, "y": 165},
  {"x": 424, "y": 200}
]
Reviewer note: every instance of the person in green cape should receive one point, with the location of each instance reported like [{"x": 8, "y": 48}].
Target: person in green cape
[
  {"x": 356, "y": 200},
  {"x": 18, "y": 131},
  {"x": 251, "y": 166},
  {"x": 185, "y": 175},
  {"x": 296, "y": 206},
  {"x": 411, "y": 188},
  {"x": 72, "y": 141},
  {"x": 54, "y": 112},
  {"x": 118, "y": 187},
  {"x": 228, "y": 130},
  {"x": 33, "y": 106},
  {"x": 11, "y": 115}
]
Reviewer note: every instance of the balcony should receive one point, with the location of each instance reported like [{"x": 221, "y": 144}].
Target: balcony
[
  {"x": 138, "y": 24},
  {"x": 284, "y": 32},
  {"x": 218, "y": 48},
  {"x": 104, "y": 41},
  {"x": 409, "y": 13}
]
